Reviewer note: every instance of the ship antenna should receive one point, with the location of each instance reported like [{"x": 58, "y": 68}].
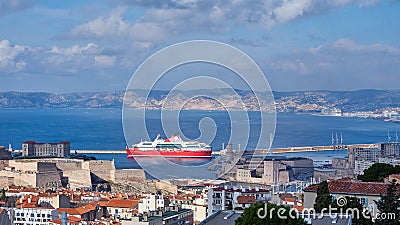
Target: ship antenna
[
  {"x": 388, "y": 136},
  {"x": 397, "y": 137},
  {"x": 333, "y": 140}
]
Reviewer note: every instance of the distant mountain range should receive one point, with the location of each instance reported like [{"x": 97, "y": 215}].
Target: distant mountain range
[{"x": 293, "y": 101}]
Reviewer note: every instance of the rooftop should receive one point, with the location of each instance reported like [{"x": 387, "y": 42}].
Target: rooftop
[
  {"x": 352, "y": 187},
  {"x": 222, "y": 218}
]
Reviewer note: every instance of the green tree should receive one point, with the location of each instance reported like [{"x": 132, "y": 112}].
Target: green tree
[
  {"x": 267, "y": 214},
  {"x": 389, "y": 204},
  {"x": 378, "y": 171},
  {"x": 323, "y": 199},
  {"x": 3, "y": 194}
]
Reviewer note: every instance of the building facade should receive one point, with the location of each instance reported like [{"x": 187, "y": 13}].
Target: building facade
[
  {"x": 151, "y": 202},
  {"x": 32, "y": 148},
  {"x": 33, "y": 216},
  {"x": 390, "y": 149},
  {"x": 226, "y": 198}
]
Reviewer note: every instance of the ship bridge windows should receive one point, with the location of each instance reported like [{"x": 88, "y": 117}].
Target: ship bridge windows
[{"x": 168, "y": 146}]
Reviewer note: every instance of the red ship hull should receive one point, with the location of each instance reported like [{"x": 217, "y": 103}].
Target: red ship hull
[{"x": 134, "y": 152}]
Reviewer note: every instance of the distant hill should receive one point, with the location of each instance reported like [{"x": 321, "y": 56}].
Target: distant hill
[{"x": 298, "y": 101}]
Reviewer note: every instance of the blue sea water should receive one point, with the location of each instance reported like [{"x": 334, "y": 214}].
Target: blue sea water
[{"x": 101, "y": 129}]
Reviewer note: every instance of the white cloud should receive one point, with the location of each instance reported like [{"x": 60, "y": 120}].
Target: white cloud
[
  {"x": 10, "y": 56},
  {"x": 54, "y": 60},
  {"x": 348, "y": 45},
  {"x": 172, "y": 18},
  {"x": 113, "y": 25},
  {"x": 105, "y": 60},
  {"x": 290, "y": 10}
]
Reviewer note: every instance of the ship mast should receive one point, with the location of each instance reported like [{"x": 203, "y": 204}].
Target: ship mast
[
  {"x": 337, "y": 140},
  {"x": 341, "y": 139}
]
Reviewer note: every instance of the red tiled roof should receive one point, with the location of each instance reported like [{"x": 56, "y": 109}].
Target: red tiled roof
[
  {"x": 299, "y": 208},
  {"x": 121, "y": 203},
  {"x": 78, "y": 211},
  {"x": 246, "y": 199},
  {"x": 353, "y": 187},
  {"x": 289, "y": 199},
  {"x": 73, "y": 220}
]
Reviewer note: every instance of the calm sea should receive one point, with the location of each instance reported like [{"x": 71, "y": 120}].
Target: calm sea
[{"x": 102, "y": 129}]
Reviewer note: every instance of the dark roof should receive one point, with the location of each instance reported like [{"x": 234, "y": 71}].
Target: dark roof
[
  {"x": 219, "y": 218},
  {"x": 40, "y": 143},
  {"x": 240, "y": 190},
  {"x": 352, "y": 187},
  {"x": 326, "y": 219}
]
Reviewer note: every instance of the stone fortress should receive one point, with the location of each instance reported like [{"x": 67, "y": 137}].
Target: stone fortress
[{"x": 72, "y": 173}]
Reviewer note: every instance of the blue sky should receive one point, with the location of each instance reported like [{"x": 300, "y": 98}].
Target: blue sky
[{"x": 68, "y": 46}]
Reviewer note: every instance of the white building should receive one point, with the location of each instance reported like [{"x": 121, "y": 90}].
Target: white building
[
  {"x": 151, "y": 202},
  {"x": 199, "y": 207},
  {"x": 361, "y": 165},
  {"x": 226, "y": 198},
  {"x": 34, "y": 216}
]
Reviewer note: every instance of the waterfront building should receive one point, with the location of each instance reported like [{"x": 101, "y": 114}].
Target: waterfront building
[
  {"x": 32, "y": 148},
  {"x": 358, "y": 153},
  {"x": 274, "y": 170},
  {"x": 390, "y": 149}
]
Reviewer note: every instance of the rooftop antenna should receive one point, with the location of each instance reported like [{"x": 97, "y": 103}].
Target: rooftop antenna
[
  {"x": 333, "y": 140},
  {"x": 223, "y": 146},
  {"x": 389, "y": 136},
  {"x": 397, "y": 137}
]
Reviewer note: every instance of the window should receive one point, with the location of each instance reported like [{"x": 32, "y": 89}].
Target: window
[{"x": 364, "y": 201}]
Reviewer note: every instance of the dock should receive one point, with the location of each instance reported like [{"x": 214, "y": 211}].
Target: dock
[{"x": 98, "y": 151}]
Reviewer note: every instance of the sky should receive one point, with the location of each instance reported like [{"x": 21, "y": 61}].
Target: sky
[{"x": 96, "y": 45}]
